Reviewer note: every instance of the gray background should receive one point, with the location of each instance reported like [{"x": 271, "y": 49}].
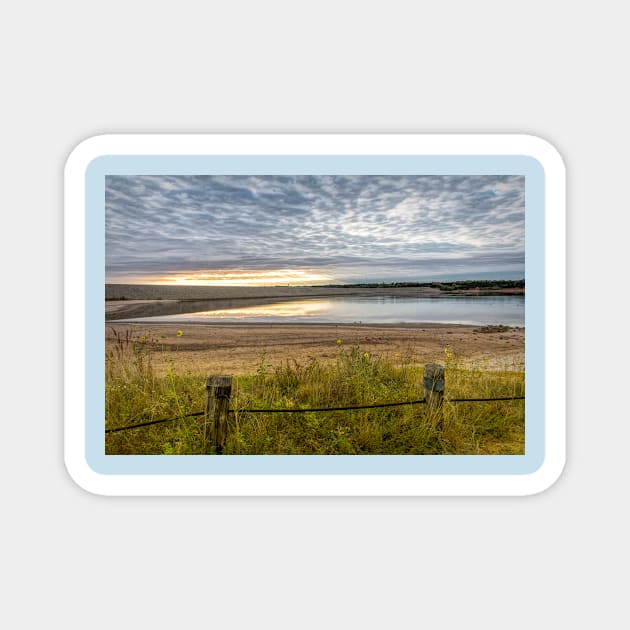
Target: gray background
[{"x": 71, "y": 70}]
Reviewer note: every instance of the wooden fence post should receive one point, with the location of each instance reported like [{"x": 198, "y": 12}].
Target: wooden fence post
[
  {"x": 434, "y": 391},
  {"x": 215, "y": 428}
]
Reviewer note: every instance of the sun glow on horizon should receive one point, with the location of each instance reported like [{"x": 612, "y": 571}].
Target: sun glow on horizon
[{"x": 242, "y": 278}]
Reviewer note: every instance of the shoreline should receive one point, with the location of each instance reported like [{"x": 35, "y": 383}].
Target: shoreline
[
  {"x": 284, "y": 324},
  {"x": 237, "y": 348}
]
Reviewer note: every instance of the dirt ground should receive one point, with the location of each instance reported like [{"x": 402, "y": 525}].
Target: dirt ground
[{"x": 239, "y": 349}]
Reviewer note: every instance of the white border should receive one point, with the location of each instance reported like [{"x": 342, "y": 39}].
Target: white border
[{"x": 315, "y": 485}]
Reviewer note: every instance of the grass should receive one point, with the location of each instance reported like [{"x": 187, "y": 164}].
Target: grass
[{"x": 135, "y": 393}]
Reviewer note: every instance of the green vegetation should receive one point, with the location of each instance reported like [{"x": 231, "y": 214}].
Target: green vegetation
[
  {"x": 136, "y": 393},
  {"x": 455, "y": 285}
]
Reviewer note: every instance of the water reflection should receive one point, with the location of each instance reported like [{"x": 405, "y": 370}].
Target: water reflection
[
  {"x": 506, "y": 310},
  {"x": 298, "y": 309}
]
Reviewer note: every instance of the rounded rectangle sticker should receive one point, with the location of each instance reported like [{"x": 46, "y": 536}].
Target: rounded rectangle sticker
[{"x": 323, "y": 314}]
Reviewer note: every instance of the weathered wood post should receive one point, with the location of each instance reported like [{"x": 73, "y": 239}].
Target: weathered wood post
[
  {"x": 215, "y": 428},
  {"x": 434, "y": 392}
]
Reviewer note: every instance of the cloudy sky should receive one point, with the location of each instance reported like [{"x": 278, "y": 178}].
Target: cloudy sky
[{"x": 269, "y": 230}]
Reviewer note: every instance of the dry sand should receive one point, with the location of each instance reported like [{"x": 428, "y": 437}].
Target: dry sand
[{"x": 239, "y": 349}]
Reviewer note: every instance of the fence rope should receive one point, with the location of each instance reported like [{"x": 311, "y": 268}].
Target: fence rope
[
  {"x": 150, "y": 422},
  {"x": 394, "y": 404},
  {"x": 303, "y": 410},
  {"x": 314, "y": 409}
]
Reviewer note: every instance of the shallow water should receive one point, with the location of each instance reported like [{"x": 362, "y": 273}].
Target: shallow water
[{"x": 478, "y": 310}]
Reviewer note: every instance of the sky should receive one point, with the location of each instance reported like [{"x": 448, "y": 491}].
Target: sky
[{"x": 309, "y": 230}]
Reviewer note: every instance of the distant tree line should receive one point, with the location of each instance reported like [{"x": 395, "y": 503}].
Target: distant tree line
[{"x": 456, "y": 285}]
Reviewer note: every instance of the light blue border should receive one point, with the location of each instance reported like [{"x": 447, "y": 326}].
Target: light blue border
[{"x": 526, "y": 166}]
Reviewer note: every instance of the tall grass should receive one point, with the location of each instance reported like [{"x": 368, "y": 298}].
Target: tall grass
[{"x": 134, "y": 393}]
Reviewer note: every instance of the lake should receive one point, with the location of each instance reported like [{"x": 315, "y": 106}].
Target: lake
[{"x": 508, "y": 310}]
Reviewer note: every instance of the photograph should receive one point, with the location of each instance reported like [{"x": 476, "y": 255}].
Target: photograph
[{"x": 324, "y": 314}]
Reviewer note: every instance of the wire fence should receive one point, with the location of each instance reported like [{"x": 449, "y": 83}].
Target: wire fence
[{"x": 311, "y": 410}]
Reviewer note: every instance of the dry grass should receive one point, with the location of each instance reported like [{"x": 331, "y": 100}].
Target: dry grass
[{"x": 135, "y": 392}]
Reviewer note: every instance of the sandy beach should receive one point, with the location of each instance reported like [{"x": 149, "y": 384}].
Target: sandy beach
[
  {"x": 239, "y": 348},
  {"x": 235, "y": 348}
]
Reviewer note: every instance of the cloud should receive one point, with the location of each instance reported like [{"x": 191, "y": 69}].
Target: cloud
[{"x": 351, "y": 226}]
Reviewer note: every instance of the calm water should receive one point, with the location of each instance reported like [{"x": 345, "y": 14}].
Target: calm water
[{"x": 507, "y": 310}]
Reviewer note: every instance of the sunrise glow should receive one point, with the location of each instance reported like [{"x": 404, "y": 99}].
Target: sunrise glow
[
  {"x": 225, "y": 278},
  {"x": 306, "y": 230}
]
